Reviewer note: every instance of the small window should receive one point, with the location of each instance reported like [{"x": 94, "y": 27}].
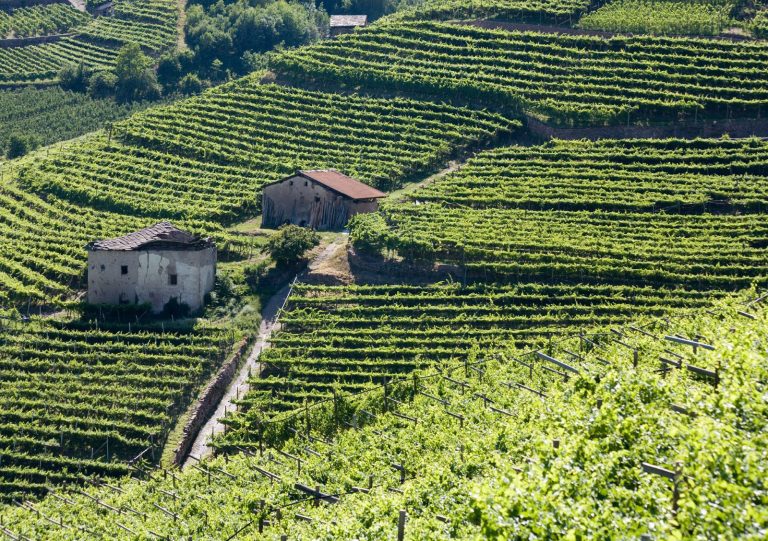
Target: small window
[
  {"x": 290, "y": 183},
  {"x": 124, "y": 269},
  {"x": 173, "y": 279},
  {"x": 103, "y": 267},
  {"x": 306, "y": 183}
]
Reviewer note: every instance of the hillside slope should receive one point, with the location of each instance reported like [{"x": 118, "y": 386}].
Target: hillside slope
[{"x": 514, "y": 445}]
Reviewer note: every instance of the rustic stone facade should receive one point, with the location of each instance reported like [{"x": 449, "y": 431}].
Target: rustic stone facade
[{"x": 152, "y": 267}]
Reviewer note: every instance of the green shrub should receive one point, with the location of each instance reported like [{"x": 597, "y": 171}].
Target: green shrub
[
  {"x": 190, "y": 84},
  {"x": 288, "y": 246},
  {"x": 369, "y": 233},
  {"x": 102, "y": 84},
  {"x": 19, "y": 145},
  {"x": 73, "y": 77}
]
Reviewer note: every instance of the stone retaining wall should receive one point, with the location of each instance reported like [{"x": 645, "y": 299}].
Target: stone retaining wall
[
  {"x": 34, "y": 40},
  {"x": 209, "y": 401},
  {"x": 687, "y": 130}
]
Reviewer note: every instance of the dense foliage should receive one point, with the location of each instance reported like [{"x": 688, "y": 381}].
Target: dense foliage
[
  {"x": 77, "y": 400},
  {"x": 290, "y": 243},
  {"x": 564, "y": 79},
  {"x": 759, "y": 24},
  {"x": 699, "y": 17},
  {"x": 232, "y": 32},
  {"x": 503, "y": 447}
]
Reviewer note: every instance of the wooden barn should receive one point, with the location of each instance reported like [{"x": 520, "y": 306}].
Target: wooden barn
[
  {"x": 345, "y": 24},
  {"x": 321, "y": 199}
]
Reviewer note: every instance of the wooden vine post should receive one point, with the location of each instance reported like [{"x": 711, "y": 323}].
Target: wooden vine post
[{"x": 401, "y": 525}]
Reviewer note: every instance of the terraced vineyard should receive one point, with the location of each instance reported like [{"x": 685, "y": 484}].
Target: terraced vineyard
[
  {"x": 510, "y": 448},
  {"x": 565, "y": 80},
  {"x": 41, "y": 63},
  {"x": 522, "y": 235},
  {"x": 279, "y": 129},
  {"x": 702, "y": 252},
  {"x": 344, "y": 339},
  {"x": 152, "y": 11},
  {"x": 79, "y": 401},
  {"x": 153, "y": 25},
  {"x": 477, "y": 397},
  {"x": 152, "y": 36},
  {"x": 702, "y": 17},
  {"x": 166, "y": 168},
  {"x": 714, "y": 175},
  {"x": 41, "y": 20},
  {"x": 535, "y": 11}
]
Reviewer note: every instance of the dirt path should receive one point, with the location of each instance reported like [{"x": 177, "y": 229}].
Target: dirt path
[
  {"x": 239, "y": 386},
  {"x": 181, "y": 42},
  {"x": 452, "y": 167}
]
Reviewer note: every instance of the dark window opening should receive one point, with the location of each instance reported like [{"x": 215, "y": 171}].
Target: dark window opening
[
  {"x": 290, "y": 183},
  {"x": 103, "y": 267},
  {"x": 124, "y": 269},
  {"x": 306, "y": 183},
  {"x": 173, "y": 279}
]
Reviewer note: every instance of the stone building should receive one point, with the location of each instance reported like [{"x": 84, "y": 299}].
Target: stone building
[
  {"x": 323, "y": 200},
  {"x": 345, "y": 24},
  {"x": 152, "y": 266}
]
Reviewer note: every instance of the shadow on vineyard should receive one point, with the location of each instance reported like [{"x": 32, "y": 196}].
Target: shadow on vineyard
[{"x": 544, "y": 341}]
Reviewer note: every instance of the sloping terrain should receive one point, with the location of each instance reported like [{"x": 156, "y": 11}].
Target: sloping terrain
[
  {"x": 589, "y": 435},
  {"x": 524, "y": 247},
  {"x": 564, "y": 79}
]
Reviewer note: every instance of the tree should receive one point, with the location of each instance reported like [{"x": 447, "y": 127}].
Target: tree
[
  {"x": 135, "y": 78},
  {"x": 169, "y": 70},
  {"x": 190, "y": 84},
  {"x": 19, "y": 145},
  {"x": 73, "y": 77},
  {"x": 102, "y": 84},
  {"x": 288, "y": 246}
]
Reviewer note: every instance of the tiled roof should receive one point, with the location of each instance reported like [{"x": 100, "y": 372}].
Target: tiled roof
[
  {"x": 161, "y": 235},
  {"x": 348, "y": 20},
  {"x": 342, "y": 184}
]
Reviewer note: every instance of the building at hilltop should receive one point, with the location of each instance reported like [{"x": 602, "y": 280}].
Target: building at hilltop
[
  {"x": 152, "y": 266},
  {"x": 345, "y": 24},
  {"x": 320, "y": 199}
]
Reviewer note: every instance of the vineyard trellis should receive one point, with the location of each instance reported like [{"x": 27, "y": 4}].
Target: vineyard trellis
[
  {"x": 286, "y": 496},
  {"x": 88, "y": 429},
  {"x": 562, "y": 79}
]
